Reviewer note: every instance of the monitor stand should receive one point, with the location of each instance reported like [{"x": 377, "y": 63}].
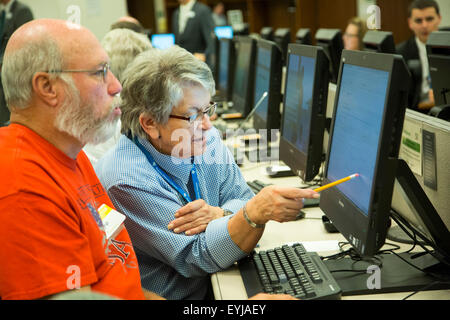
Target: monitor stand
[{"x": 394, "y": 274}]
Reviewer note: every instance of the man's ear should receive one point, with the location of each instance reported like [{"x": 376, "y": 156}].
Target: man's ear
[
  {"x": 410, "y": 23},
  {"x": 45, "y": 88},
  {"x": 149, "y": 126}
]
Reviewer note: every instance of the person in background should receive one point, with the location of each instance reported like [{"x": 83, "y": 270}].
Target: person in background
[
  {"x": 423, "y": 18},
  {"x": 13, "y": 14},
  {"x": 189, "y": 210},
  {"x": 128, "y": 22},
  {"x": 354, "y": 34},
  {"x": 122, "y": 46},
  {"x": 193, "y": 26},
  {"x": 218, "y": 14},
  {"x": 61, "y": 95}
]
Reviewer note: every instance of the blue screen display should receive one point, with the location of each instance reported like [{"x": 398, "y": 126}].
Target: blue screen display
[
  {"x": 242, "y": 69},
  {"x": 163, "y": 41},
  {"x": 224, "y": 32},
  {"x": 298, "y": 100},
  {"x": 262, "y": 80},
  {"x": 223, "y": 64},
  {"x": 356, "y": 132}
]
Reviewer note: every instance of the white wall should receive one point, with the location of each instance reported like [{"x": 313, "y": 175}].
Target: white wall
[
  {"x": 96, "y": 15},
  {"x": 444, "y": 8}
]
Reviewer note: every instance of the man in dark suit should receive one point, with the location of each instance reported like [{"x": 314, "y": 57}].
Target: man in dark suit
[
  {"x": 193, "y": 26},
  {"x": 13, "y": 14},
  {"x": 423, "y": 18}
]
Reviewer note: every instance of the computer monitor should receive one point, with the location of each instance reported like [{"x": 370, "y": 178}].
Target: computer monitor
[
  {"x": 366, "y": 131},
  {"x": 379, "y": 41},
  {"x": 303, "y": 36},
  {"x": 424, "y": 148},
  {"x": 244, "y": 75},
  {"x": 282, "y": 37},
  {"x": 365, "y": 138},
  {"x": 331, "y": 41},
  {"x": 438, "y": 47},
  {"x": 241, "y": 29},
  {"x": 303, "y": 116},
  {"x": 223, "y": 32},
  {"x": 267, "y": 33},
  {"x": 267, "y": 80},
  {"x": 226, "y": 69},
  {"x": 163, "y": 40}
]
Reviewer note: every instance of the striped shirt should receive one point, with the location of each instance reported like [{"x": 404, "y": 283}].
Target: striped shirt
[{"x": 176, "y": 266}]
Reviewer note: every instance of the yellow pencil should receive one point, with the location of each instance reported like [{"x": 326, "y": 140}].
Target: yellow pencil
[{"x": 332, "y": 184}]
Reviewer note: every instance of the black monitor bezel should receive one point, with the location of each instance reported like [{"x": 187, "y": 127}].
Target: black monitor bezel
[
  {"x": 274, "y": 96},
  {"x": 244, "y": 105},
  {"x": 227, "y": 92},
  {"x": 307, "y": 165},
  {"x": 367, "y": 233},
  {"x": 303, "y": 36},
  {"x": 267, "y": 33},
  {"x": 379, "y": 41},
  {"x": 331, "y": 38},
  {"x": 438, "y": 51},
  {"x": 282, "y": 37}
]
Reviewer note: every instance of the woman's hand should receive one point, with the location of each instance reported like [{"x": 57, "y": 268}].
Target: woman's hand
[{"x": 194, "y": 217}]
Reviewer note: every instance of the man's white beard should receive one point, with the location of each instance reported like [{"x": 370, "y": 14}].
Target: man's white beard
[{"x": 80, "y": 122}]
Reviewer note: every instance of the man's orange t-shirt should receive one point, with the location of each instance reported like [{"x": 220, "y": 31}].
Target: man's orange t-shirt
[{"x": 50, "y": 232}]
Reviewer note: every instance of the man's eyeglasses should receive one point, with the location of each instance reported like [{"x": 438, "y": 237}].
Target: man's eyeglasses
[
  {"x": 209, "y": 111},
  {"x": 103, "y": 71}
]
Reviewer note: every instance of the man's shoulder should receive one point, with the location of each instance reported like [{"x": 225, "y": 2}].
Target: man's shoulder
[
  {"x": 201, "y": 7},
  {"x": 408, "y": 49}
]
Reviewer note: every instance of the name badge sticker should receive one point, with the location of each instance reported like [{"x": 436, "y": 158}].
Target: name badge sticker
[{"x": 112, "y": 220}]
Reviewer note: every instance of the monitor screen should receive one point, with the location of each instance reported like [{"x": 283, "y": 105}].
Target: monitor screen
[
  {"x": 226, "y": 65},
  {"x": 303, "y": 117},
  {"x": 244, "y": 76},
  {"x": 297, "y": 107},
  {"x": 262, "y": 80},
  {"x": 359, "y": 110},
  {"x": 223, "y": 65},
  {"x": 163, "y": 41},
  {"x": 224, "y": 32},
  {"x": 365, "y": 138},
  {"x": 268, "y": 72}
]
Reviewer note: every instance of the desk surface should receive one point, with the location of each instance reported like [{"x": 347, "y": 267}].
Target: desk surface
[{"x": 228, "y": 284}]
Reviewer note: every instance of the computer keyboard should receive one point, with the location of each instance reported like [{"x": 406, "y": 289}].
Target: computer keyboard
[
  {"x": 257, "y": 185},
  {"x": 288, "y": 269}
]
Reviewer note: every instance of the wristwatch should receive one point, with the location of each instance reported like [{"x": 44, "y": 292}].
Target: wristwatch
[{"x": 227, "y": 212}]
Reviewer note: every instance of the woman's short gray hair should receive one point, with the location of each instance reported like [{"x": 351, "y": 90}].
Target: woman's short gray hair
[
  {"x": 122, "y": 46},
  {"x": 154, "y": 84},
  {"x": 20, "y": 65}
]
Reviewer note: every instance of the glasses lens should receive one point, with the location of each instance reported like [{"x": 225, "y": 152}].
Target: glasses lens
[
  {"x": 105, "y": 72},
  {"x": 211, "y": 109}
]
